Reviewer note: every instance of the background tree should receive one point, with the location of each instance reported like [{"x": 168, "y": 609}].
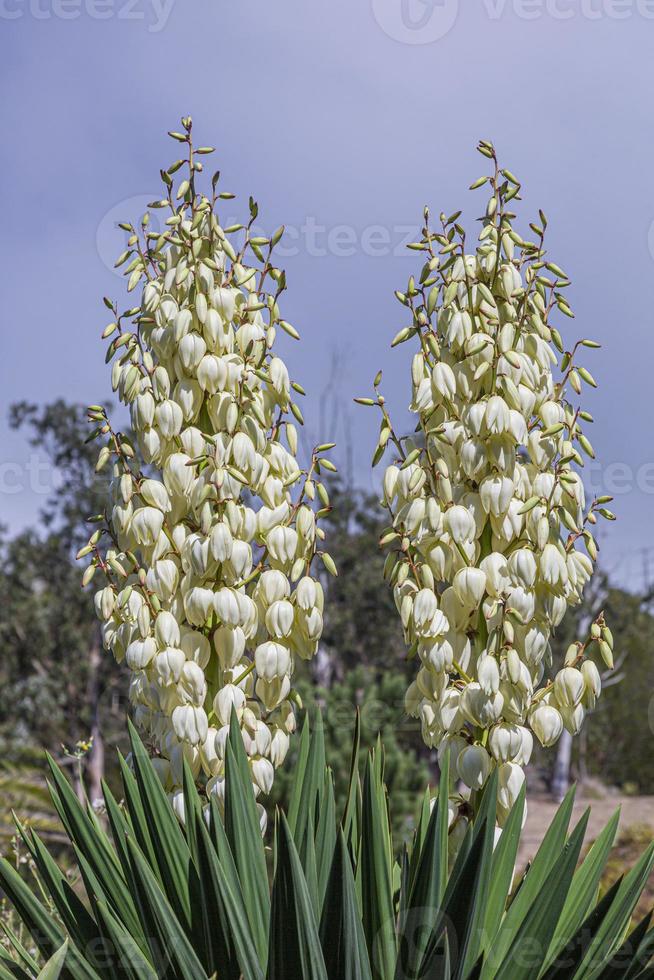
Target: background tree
[
  {"x": 615, "y": 742},
  {"x": 620, "y": 734},
  {"x": 361, "y": 622},
  {"x": 58, "y": 686}
]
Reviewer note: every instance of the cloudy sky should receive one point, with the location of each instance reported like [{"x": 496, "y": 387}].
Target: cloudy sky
[{"x": 343, "y": 118}]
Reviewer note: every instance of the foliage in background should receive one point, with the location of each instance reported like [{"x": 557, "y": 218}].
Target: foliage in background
[
  {"x": 56, "y": 687},
  {"x": 23, "y": 791},
  {"x": 622, "y": 732},
  {"x": 361, "y": 624},
  {"x": 64, "y": 471}
]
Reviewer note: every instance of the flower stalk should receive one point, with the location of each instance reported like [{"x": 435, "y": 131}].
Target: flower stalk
[
  {"x": 209, "y": 542},
  {"x": 490, "y": 538}
]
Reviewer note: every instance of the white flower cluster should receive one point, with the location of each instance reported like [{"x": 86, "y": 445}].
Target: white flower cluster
[
  {"x": 486, "y": 509},
  {"x": 210, "y": 595}
]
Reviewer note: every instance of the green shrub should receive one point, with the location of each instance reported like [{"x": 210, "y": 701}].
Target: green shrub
[{"x": 327, "y": 900}]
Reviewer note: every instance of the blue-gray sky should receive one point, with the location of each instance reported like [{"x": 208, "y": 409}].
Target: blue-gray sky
[{"x": 343, "y": 118}]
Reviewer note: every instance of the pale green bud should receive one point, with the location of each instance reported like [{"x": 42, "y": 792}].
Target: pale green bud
[{"x": 474, "y": 766}]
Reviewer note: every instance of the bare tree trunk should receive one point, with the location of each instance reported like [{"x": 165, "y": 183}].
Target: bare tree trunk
[
  {"x": 95, "y": 760},
  {"x": 582, "y": 756},
  {"x": 322, "y": 668},
  {"x": 561, "y": 777},
  {"x": 77, "y": 782},
  {"x": 73, "y": 736}
]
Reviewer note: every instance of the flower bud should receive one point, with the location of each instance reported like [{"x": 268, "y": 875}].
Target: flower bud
[
  {"x": 591, "y": 677},
  {"x": 546, "y": 724},
  {"x": 272, "y": 660},
  {"x": 510, "y": 780},
  {"x": 460, "y": 523},
  {"x": 474, "y": 766},
  {"x": 279, "y": 619},
  {"x": 139, "y": 653},
  {"x": 262, "y": 774},
  {"x": 146, "y": 525},
  {"x": 166, "y": 630},
  {"x": 470, "y": 586},
  {"x": 155, "y": 493},
  {"x": 488, "y": 673},
  {"x": 569, "y": 687},
  {"x": 227, "y": 699},
  {"x": 190, "y": 724}
]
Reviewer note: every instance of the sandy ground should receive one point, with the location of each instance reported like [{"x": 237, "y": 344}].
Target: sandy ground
[{"x": 634, "y": 810}]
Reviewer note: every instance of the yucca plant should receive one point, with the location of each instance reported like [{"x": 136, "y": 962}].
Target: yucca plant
[{"x": 328, "y": 899}]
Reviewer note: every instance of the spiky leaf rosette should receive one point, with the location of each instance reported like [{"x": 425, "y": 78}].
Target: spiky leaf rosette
[{"x": 193, "y": 902}]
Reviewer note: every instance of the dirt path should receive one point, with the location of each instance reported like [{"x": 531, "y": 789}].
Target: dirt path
[{"x": 634, "y": 810}]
